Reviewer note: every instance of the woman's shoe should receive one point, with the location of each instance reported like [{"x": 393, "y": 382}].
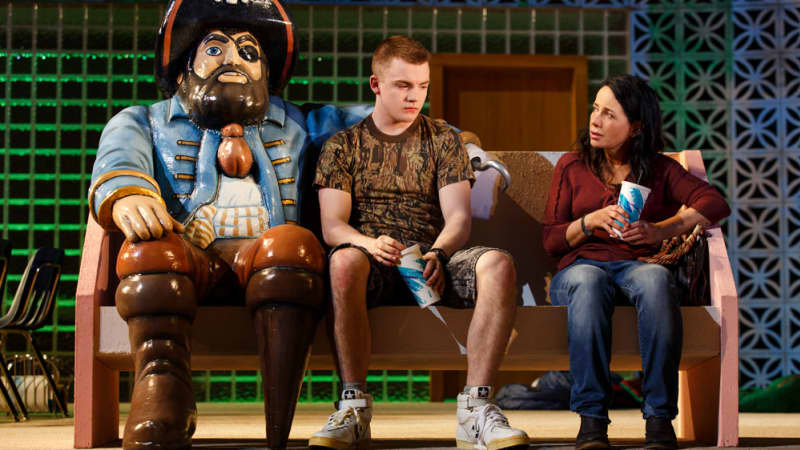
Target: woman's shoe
[
  {"x": 593, "y": 434},
  {"x": 660, "y": 434}
]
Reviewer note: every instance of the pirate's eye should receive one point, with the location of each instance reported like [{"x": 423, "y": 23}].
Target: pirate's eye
[
  {"x": 213, "y": 51},
  {"x": 248, "y": 53}
]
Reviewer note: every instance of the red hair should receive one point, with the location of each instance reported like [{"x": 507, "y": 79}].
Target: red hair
[{"x": 403, "y": 47}]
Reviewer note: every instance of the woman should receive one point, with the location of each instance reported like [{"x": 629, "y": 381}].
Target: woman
[{"x": 623, "y": 143}]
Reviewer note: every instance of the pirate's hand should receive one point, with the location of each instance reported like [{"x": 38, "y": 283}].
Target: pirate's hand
[{"x": 141, "y": 217}]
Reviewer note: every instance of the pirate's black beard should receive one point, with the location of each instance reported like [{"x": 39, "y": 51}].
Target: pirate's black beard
[{"x": 212, "y": 104}]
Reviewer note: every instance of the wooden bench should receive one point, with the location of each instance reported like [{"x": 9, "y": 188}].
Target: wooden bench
[{"x": 410, "y": 338}]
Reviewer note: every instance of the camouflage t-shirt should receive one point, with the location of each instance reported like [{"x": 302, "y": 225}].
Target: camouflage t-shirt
[{"x": 394, "y": 181}]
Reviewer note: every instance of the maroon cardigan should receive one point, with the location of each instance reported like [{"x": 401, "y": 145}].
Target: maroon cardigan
[{"x": 576, "y": 191}]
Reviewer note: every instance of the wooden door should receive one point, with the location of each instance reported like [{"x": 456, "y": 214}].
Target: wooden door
[{"x": 512, "y": 102}]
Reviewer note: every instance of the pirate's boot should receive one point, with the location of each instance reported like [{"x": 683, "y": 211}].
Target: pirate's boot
[
  {"x": 157, "y": 297},
  {"x": 283, "y": 271}
]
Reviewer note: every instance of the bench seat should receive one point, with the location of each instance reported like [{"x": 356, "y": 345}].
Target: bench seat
[
  {"x": 408, "y": 338},
  {"x": 540, "y": 341}
]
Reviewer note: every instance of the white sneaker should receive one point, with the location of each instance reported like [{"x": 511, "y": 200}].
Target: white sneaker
[
  {"x": 482, "y": 425},
  {"x": 349, "y": 426}
]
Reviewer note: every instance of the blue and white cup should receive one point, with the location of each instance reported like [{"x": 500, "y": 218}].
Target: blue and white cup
[
  {"x": 411, "y": 268},
  {"x": 632, "y": 197}
]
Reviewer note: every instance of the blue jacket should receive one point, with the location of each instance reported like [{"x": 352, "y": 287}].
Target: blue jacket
[{"x": 158, "y": 151}]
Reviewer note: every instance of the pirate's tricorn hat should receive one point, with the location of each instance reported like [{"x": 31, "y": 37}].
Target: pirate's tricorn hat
[{"x": 188, "y": 21}]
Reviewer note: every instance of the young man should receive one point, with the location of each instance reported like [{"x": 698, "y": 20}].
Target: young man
[{"x": 395, "y": 179}]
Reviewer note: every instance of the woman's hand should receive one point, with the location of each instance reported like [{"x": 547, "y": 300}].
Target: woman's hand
[
  {"x": 607, "y": 218},
  {"x": 386, "y": 250},
  {"x": 642, "y": 232}
]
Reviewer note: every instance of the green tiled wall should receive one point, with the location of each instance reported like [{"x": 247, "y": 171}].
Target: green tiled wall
[{"x": 67, "y": 68}]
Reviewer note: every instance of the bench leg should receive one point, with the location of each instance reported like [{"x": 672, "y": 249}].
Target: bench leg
[
  {"x": 698, "y": 402},
  {"x": 96, "y": 404},
  {"x": 436, "y": 385}
]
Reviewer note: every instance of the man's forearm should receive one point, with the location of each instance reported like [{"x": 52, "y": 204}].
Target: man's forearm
[
  {"x": 337, "y": 232},
  {"x": 453, "y": 236}
]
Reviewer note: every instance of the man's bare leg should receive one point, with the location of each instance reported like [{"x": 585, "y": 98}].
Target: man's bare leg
[
  {"x": 480, "y": 423},
  {"x": 349, "y": 426},
  {"x": 495, "y": 310},
  {"x": 349, "y": 269}
]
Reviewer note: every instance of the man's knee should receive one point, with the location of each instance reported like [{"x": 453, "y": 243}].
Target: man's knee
[
  {"x": 496, "y": 270},
  {"x": 348, "y": 266}
]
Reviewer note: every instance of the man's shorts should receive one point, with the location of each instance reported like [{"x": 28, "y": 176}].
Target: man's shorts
[{"x": 386, "y": 287}]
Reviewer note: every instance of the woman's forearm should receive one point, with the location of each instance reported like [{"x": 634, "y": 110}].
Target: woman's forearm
[
  {"x": 682, "y": 222},
  {"x": 575, "y": 234}
]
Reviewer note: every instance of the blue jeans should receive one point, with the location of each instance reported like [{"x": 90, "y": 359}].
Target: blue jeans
[{"x": 588, "y": 289}]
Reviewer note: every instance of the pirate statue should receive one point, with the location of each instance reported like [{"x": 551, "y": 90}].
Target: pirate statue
[{"x": 207, "y": 188}]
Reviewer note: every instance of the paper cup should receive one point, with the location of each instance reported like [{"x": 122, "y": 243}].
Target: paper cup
[
  {"x": 631, "y": 198},
  {"x": 411, "y": 267}
]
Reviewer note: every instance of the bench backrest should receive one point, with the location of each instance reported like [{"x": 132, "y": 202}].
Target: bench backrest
[{"x": 510, "y": 220}]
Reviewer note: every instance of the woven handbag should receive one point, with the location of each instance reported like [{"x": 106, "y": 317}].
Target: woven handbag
[{"x": 686, "y": 256}]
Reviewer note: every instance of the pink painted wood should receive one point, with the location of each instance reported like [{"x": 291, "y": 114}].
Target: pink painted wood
[
  {"x": 96, "y": 385},
  {"x": 725, "y": 302}
]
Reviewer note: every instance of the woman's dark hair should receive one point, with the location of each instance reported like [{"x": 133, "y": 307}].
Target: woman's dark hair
[{"x": 640, "y": 104}]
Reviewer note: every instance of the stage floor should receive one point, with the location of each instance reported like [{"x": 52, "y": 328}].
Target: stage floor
[{"x": 395, "y": 425}]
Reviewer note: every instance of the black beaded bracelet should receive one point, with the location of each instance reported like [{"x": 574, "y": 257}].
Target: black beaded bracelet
[
  {"x": 583, "y": 226},
  {"x": 441, "y": 255}
]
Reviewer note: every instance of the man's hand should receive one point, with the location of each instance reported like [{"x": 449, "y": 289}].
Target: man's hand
[
  {"x": 606, "y": 218},
  {"x": 386, "y": 250},
  {"x": 643, "y": 232},
  {"x": 143, "y": 218},
  {"x": 434, "y": 272}
]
